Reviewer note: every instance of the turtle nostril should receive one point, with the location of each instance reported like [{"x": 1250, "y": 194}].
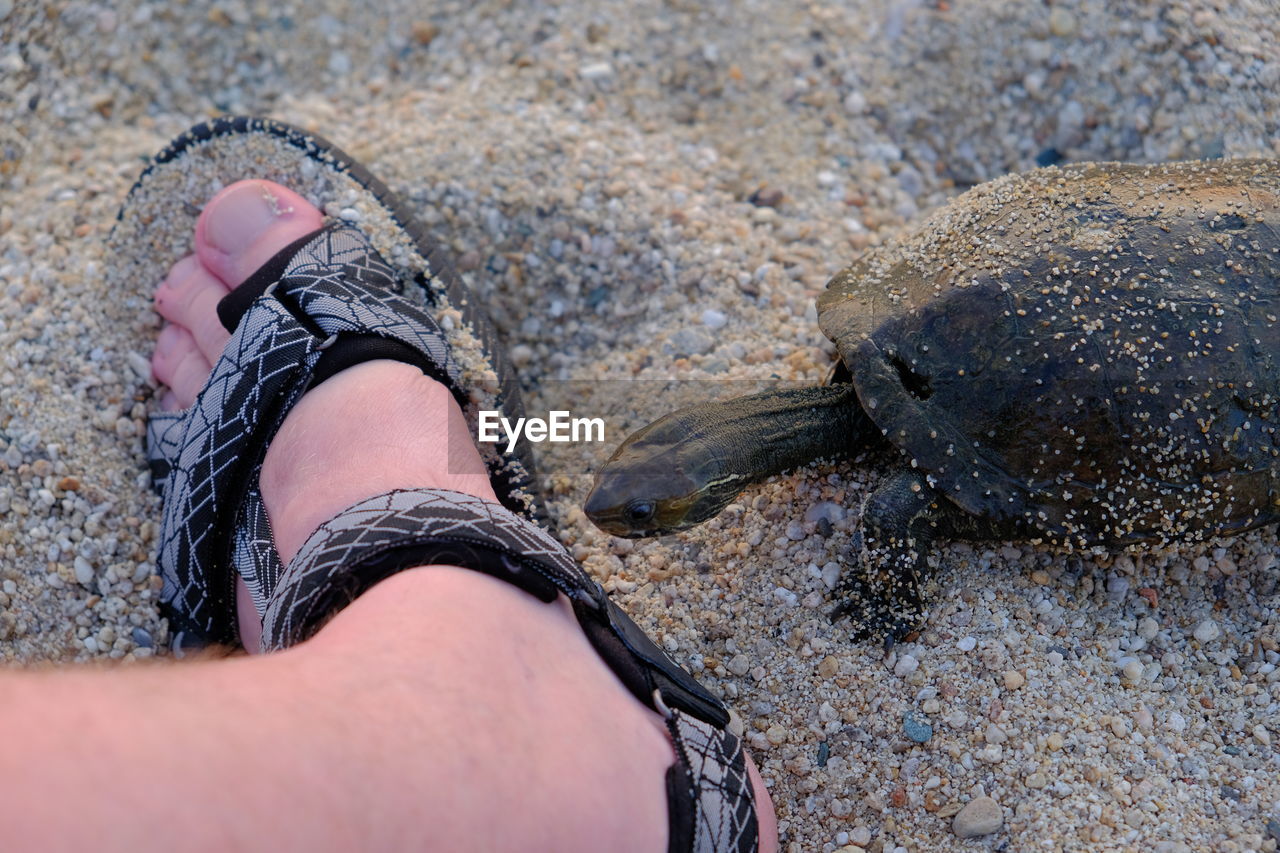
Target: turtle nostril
[{"x": 918, "y": 386}]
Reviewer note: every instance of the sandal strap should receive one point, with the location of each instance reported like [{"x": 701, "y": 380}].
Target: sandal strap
[
  {"x": 405, "y": 528},
  {"x": 710, "y": 799},
  {"x": 331, "y": 308},
  {"x": 711, "y": 803}
]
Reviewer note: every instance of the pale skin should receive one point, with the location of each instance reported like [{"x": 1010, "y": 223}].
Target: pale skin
[{"x": 442, "y": 710}]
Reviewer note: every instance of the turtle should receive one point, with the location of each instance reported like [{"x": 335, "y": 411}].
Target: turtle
[{"x": 1082, "y": 356}]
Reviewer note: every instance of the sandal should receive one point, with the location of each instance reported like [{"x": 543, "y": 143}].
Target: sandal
[{"x": 370, "y": 287}]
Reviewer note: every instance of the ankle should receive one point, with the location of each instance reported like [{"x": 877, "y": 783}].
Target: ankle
[{"x": 375, "y": 427}]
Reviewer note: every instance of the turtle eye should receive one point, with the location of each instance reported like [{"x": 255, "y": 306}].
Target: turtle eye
[{"x": 638, "y": 513}]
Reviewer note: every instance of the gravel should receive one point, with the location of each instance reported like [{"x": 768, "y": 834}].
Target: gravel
[{"x": 648, "y": 198}]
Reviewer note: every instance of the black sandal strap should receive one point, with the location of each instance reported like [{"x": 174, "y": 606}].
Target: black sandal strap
[
  {"x": 710, "y": 799},
  {"x": 382, "y": 535},
  {"x": 711, "y": 804},
  {"x": 333, "y": 306}
]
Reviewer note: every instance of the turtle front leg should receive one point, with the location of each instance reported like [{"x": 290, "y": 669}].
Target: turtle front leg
[{"x": 900, "y": 521}]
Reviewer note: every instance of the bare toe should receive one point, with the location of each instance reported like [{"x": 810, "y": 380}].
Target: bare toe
[
  {"x": 244, "y": 225},
  {"x": 238, "y": 231},
  {"x": 189, "y": 298},
  {"x": 179, "y": 364}
]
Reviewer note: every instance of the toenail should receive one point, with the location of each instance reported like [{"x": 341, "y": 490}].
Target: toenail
[{"x": 237, "y": 217}]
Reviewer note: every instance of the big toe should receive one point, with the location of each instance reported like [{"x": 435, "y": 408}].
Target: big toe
[{"x": 247, "y": 223}]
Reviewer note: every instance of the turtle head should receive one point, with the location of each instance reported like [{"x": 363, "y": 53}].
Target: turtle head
[
  {"x": 662, "y": 479},
  {"x": 685, "y": 468}
]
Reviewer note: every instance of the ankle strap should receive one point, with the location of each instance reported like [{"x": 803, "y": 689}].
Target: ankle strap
[{"x": 402, "y": 529}]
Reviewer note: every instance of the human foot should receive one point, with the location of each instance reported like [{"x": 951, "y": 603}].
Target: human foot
[
  {"x": 330, "y": 452},
  {"x": 310, "y": 472}
]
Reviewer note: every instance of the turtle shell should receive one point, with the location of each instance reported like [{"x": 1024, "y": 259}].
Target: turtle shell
[{"x": 1092, "y": 349}]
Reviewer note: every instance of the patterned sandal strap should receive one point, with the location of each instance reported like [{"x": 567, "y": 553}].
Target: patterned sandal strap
[
  {"x": 710, "y": 797},
  {"x": 711, "y": 804},
  {"x": 333, "y": 306}
]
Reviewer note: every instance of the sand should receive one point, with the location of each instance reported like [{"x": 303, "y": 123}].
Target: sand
[{"x": 658, "y": 191}]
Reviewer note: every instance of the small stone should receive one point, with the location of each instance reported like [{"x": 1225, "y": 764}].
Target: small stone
[
  {"x": 905, "y": 666},
  {"x": 1054, "y": 742},
  {"x": 830, "y": 574},
  {"x": 1061, "y": 22},
  {"x": 339, "y": 63},
  {"x": 84, "y": 571},
  {"x": 1207, "y": 631},
  {"x": 828, "y": 511},
  {"x": 595, "y": 71},
  {"x": 829, "y": 666},
  {"x": 967, "y": 644},
  {"x": 1132, "y": 669},
  {"x": 915, "y": 728},
  {"x": 714, "y": 319},
  {"x": 980, "y": 816},
  {"x": 1148, "y": 628},
  {"x": 776, "y": 735},
  {"x": 1037, "y": 780},
  {"x": 691, "y": 341},
  {"x": 1261, "y": 735},
  {"x": 142, "y": 637},
  {"x": 521, "y": 355},
  {"x": 1013, "y": 679},
  {"x": 424, "y": 32},
  {"x": 766, "y": 197},
  {"x": 739, "y": 665}
]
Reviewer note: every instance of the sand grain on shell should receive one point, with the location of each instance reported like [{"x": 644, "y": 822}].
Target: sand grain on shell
[{"x": 592, "y": 168}]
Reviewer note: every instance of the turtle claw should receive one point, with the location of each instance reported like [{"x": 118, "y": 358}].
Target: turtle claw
[{"x": 876, "y": 616}]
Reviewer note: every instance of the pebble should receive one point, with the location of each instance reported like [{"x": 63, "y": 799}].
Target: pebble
[
  {"x": 1131, "y": 669},
  {"x": 828, "y": 511},
  {"x": 714, "y": 319},
  {"x": 1061, "y": 22},
  {"x": 967, "y": 644},
  {"x": 83, "y": 571},
  {"x": 915, "y": 728},
  {"x": 1013, "y": 679},
  {"x": 596, "y": 71},
  {"x": 905, "y": 665},
  {"x": 980, "y": 816},
  {"x": 1207, "y": 631}
]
